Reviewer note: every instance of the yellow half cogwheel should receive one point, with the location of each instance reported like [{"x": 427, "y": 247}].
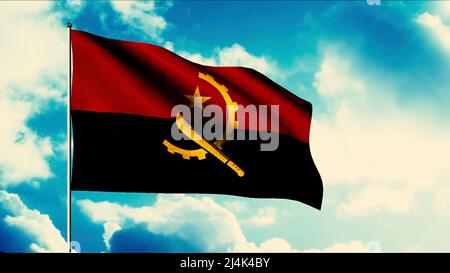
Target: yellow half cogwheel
[
  {"x": 231, "y": 122},
  {"x": 187, "y": 154}
]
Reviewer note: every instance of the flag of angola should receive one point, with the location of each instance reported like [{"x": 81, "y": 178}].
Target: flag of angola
[{"x": 123, "y": 96}]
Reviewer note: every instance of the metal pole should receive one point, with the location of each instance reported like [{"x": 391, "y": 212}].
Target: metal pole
[{"x": 69, "y": 137}]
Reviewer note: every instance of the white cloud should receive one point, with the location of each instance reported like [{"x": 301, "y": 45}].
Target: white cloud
[
  {"x": 271, "y": 245},
  {"x": 235, "y": 206},
  {"x": 336, "y": 79},
  {"x": 442, "y": 201},
  {"x": 359, "y": 143},
  {"x": 61, "y": 148},
  {"x": 27, "y": 59},
  {"x": 142, "y": 16},
  {"x": 443, "y": 8},
  {"x": 168, "y": 45},
  {"x": 39, "y": 227},
  {"x": 110, "y": 229},
  {"x": 376, "y": 198},
  {"x": 352, "y": 247},
  {"x": 263, "y": 217},
  {"x": 437, "y": 28},
  {"x": 199, "y": 220},
  {"x": 235, "y": 55},
  {"x": 19, "y": 142},
  {"x": 367, "y": 138},
  {"x": 185, "y": 216},
  {"x": 32, "y": 74},
  {"x": 445, "y": 5},
  {"x": 197, "y": 57}
]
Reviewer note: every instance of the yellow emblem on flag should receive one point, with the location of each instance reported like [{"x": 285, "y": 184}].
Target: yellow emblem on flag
[{"x": 215, "y": 147}]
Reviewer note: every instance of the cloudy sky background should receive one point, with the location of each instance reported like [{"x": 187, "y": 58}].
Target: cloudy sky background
[{"x": 378, "y": 80}]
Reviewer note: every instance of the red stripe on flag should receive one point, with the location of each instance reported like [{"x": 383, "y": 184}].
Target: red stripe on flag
[{"x": 143, "y": 79}]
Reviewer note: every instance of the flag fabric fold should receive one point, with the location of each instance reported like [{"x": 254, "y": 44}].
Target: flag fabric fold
[{"x": 123, "y": 94}]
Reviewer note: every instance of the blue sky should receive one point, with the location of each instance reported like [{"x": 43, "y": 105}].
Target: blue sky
[{"x": 377, "y": 77}]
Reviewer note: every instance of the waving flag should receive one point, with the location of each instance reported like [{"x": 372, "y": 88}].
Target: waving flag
[{"x": 122, "y": 108}]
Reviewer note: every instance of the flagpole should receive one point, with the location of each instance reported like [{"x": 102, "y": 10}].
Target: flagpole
[{"x": 69, "y": 135}]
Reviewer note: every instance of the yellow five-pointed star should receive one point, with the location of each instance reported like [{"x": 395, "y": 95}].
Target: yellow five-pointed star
[{"x": 196, "y": 95}]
